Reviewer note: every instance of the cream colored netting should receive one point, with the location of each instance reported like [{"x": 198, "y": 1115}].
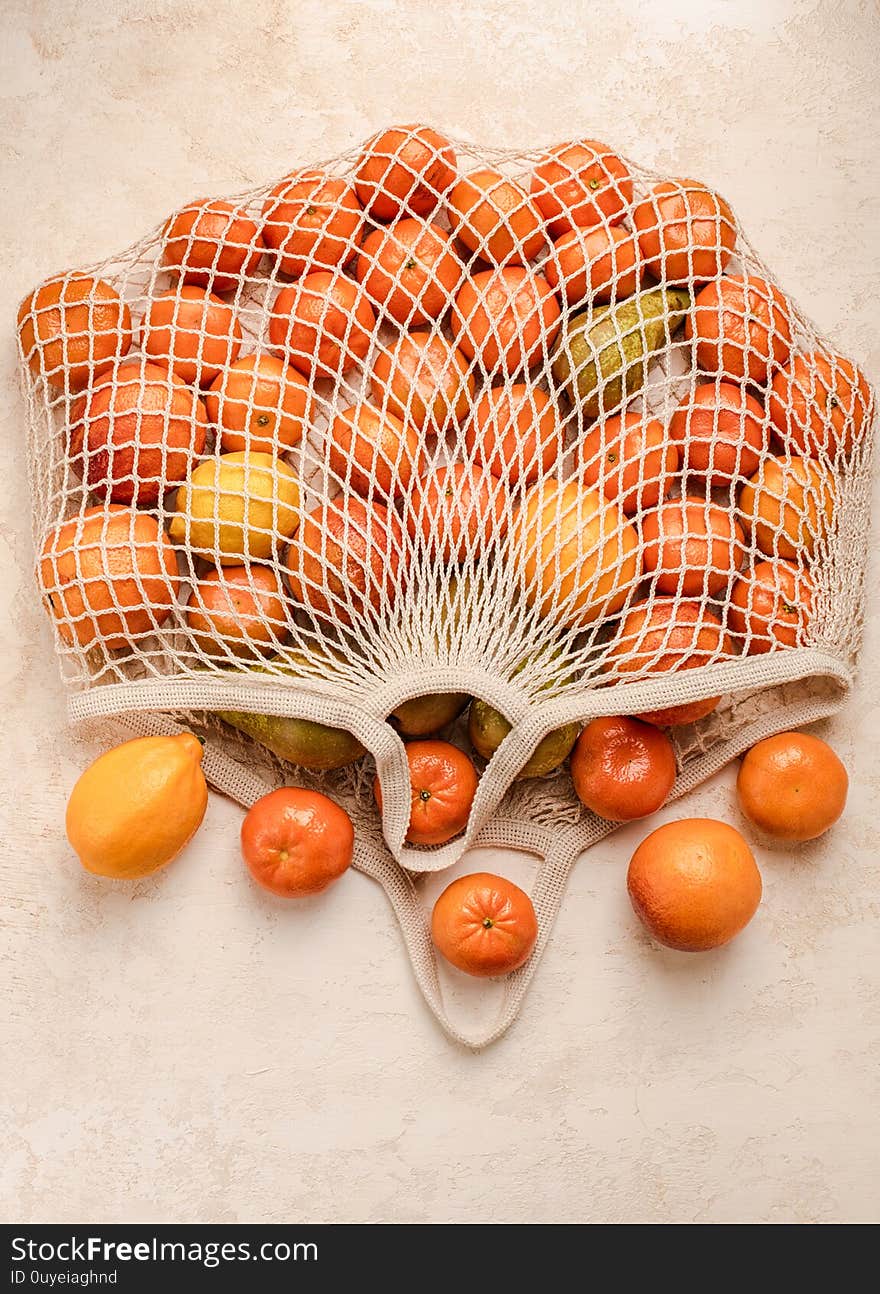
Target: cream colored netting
[{"x": 569, "y": 475}]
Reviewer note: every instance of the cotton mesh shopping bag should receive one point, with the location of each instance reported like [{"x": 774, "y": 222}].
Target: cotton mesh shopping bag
[{"x": 430, "y": 424}]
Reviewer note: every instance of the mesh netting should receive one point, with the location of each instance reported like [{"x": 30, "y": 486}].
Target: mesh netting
[{"x": 429, "y": 419}]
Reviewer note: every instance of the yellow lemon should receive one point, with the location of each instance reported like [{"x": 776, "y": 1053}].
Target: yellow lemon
[
  {"x": 580, "y": 554},
  {"x": 136, "y": 806},
  {"x": 788, "y": 505},
  {"x": 237, "y": 507}
]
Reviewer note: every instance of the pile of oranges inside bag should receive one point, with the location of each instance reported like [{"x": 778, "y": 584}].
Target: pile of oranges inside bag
[{"x": 368, "y": 419}]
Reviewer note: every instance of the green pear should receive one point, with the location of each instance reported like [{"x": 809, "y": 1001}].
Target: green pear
[
  {"x": 299, "y": 741},
  {"x": 423, "y": 715},
  {"x": 487, "y": 728},
  {"x": 602, "y": 357}
]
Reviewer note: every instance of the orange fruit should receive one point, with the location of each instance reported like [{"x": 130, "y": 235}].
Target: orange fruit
[
  {"x": 214, "y": 244},
  {"x": 513, "y": 432},
  {"x": 424, "y": 380},
  {"x": 238, "y": 610},
  {"x": 406, "y": 168},
  {"x": 771, "y": 606},
  {"x": 686, "y": 232},
  {"x": 141, "y": 431},
  {"x": 630, "y": 459},
  {"x": 296, "y": 842},
  {"x": 665, "y": 635},
  {"x": 136, "y": 806},
  {"x": 345, "y": 559},
  {"x": 443, "y": 782},
  {"x": 109, "y": 576},
  {"x": 819, "y": 404},
  {"x": 694, "y": 884},
  {"x": 312, "y": 222},
  {"x": 600, "y": 264},
  {"x": 787, "y": 506},
  {"x": 792, "y": 786},
  {"x": 692, "y": 547},
  {"x": 258, "y": 404},
  {"x": 495, "y": 218},
  {"x": 622, "y": 768},
  {"x": 410, "y": 270},
  {"x": 507, "y": 319},
  {"x": 580, "y": 556},
  {"x": 458, "y": 511},
  {"x": 580, "y": 185},
  {"x": 484, "y": 925},
  {"x": 742, "y": 328},
  {"x": 372, "y": 451},
  {"x": 69, "y": 326},
  {"x": 323, "y": 324},
  {"x": 193, "y": 332},
  {"x": 720, "y": 429}
]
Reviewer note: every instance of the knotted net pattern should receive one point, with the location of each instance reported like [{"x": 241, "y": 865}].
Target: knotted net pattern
[{"x": 429, "y": 419}]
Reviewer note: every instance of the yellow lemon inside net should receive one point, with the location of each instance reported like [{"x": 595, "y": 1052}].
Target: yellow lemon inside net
[{"x": 237, "y": 507}]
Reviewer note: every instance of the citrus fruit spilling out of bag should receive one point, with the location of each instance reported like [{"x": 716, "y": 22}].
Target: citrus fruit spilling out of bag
[
  {"x": 484, "y": 924},
  {"x": 443, "y": 783},
  {"x": 133, "y": 810},
  {"x": 622, "y": 768},
  {"x": 296, "y": 842},
  {"x": 792, "y": 786},
  {"x": 694, "y": 884}
]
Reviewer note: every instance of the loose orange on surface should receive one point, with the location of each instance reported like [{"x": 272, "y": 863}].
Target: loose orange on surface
[
  {"x": 506, "y": 319},
  {"x": 666, "y": 635},
  {"x": 311, "y": 222},
  {"x": 484, "y": 925},
  {"x": 405, "y": 169},
  {"x": 258, "y": 404},
  {"x": 371, "y": 451},
  {"x": 109, "y": 576},
  {"x": 771, "y": 606},
  {"x": 410, "y": 270},
  {"x": 719, "y": 428},
  {"x": 513, "y": 432},
  {"x": 70, "y": 326},
  {"x": 580, "y": 556},
  {"x": 296, "y": 842},
  {"x": 686, "y": 232},
  {"x": 141, "y": 432},
  {"x": 580, "y": 185},
  {"x": 495, "y": 218},
  {"x": 819, "y": 404},
  {"x": 792, "y": 786},
  {"x": 631, "y": 460},
  {"x": 137, "y": 805},
  {"x": 742, "y": 328},
  {"x": 215, "y": 245},
  {"x": 622, "y": 768},
  {"x": 322, "y": 325},
  {"x": 694, "y": 884},
  {"x": 424, "y": 380},
  {"x": 443, "y": 782},
  {"x": 193, "y": 332}
]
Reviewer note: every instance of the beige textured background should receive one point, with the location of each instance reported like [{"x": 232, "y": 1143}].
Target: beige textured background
[{"x": 190, "y": 1052}]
